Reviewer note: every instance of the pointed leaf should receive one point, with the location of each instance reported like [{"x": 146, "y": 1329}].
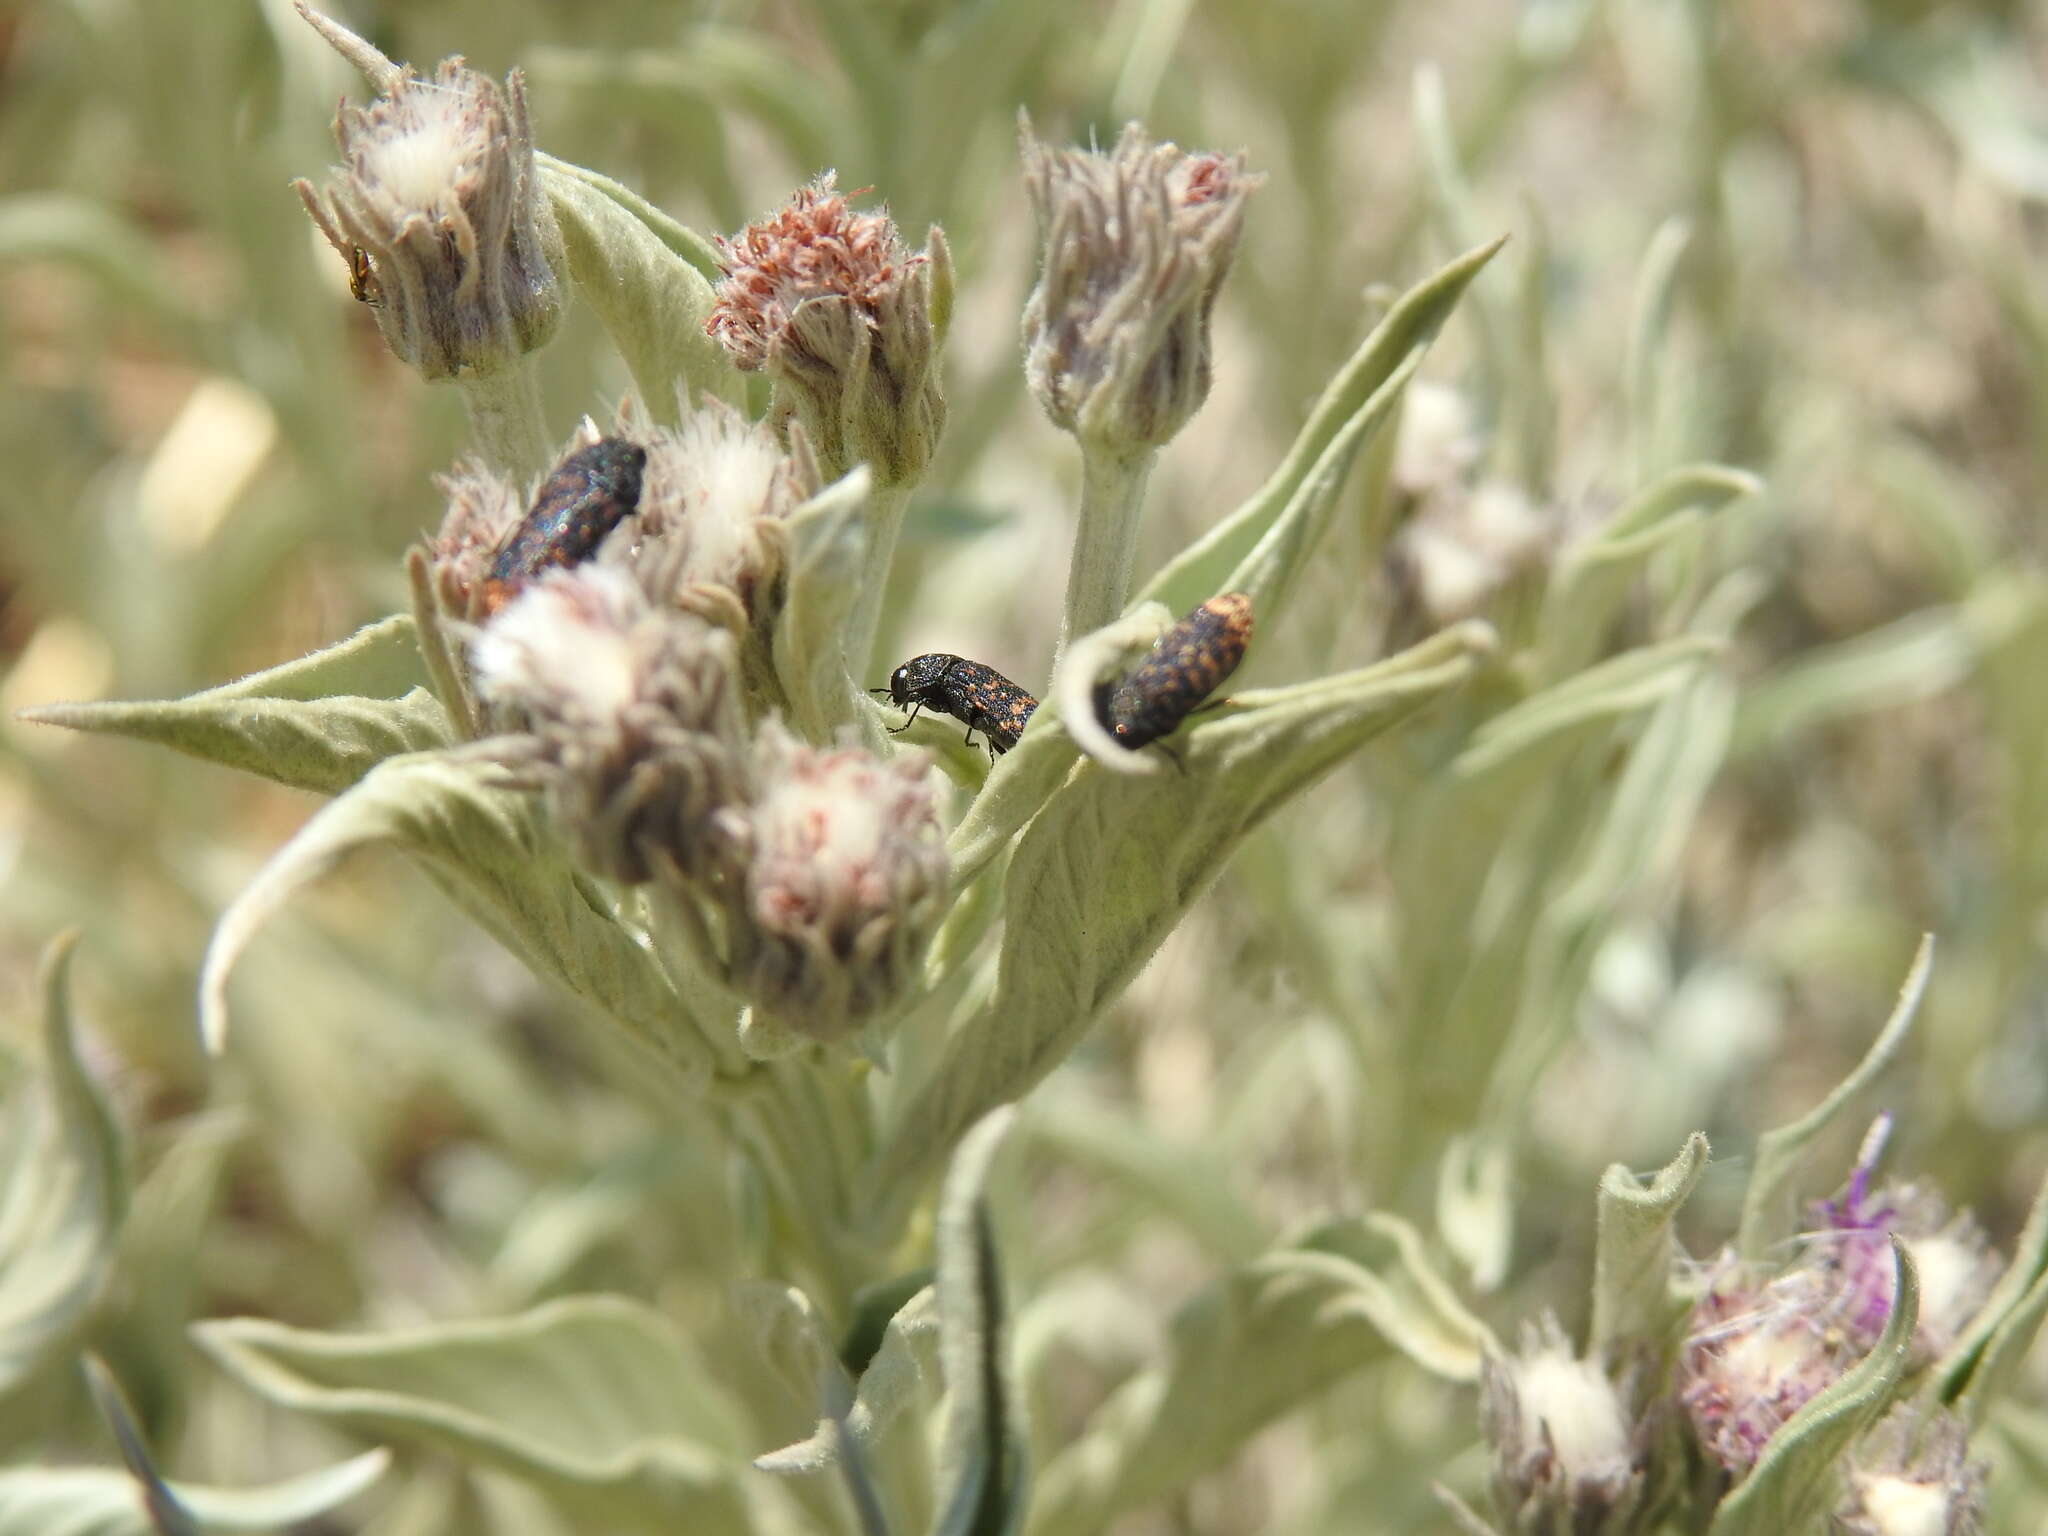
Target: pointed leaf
[
  {"x": 828, "y": 537},
  {"x": 1796, "y": 1479},
  {"x": 1107, "y": 868},
  {"x": 1998, "y": 1335},
  {"x": 486, "y": 846},
  {"x": 596, "y": 1400},
  {"x": 1266, "y": 540},
  {"x": 318, "y": 723},
  {"x": 982, "y": 1463},
  {"x": 1768, "y": 1215},
  {"x": 651, "y": 299},
  {"x": 1632, "y": 1252},
  {"x": 66, "y": 1191}
]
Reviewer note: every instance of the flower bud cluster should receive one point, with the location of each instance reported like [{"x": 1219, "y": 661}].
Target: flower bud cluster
[
  {"x": 846, "y": 877},
  {"x": 845, "y": 318},
  {"x": 1760, "y": 1347},
  {"x": 437, "y": 210},
  {"x": 1135, "y": 244},
  {"x": 1568, "y": 1452}
]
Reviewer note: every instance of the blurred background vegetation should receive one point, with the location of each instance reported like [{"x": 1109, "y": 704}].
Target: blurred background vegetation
[{"x": 214, "y": 465}]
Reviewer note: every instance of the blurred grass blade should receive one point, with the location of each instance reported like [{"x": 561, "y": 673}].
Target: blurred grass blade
[
  {"x": 1797, "y": 1477},
  {"x": 167, "y": 1516},
  {"x": 1633, "y": 1248},
  {"x": 628, "y": 1435},
  {"x": 486, "y": 847},
  {"x": 1979, "y": 1366},
  {"x": 1768, "y": 1215},
  {"x": 1593, "y": 579},
  {"x": 1267, "y": 538},
  {"x": 1649, "y": 320},
  {"x": 65, "y": 1194}
]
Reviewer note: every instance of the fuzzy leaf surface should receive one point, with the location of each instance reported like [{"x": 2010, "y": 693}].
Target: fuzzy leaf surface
[
  {"x": 596, "y": 1400},
  {"x": 65, "y": 1193},
  {"x": 488, "y": 849},
  {"x": 982, "y": 1459},
  {"x": 319, "y": 723},
  {"x": 1265, "y": 541},
  {"x": 828, "y": 538},
  {"x": 100, "y": 1501},
  {"x": 651, "y": 300},
  {"x": 1106, "y": 869},
  {"x": 1633, "y": 1246}
]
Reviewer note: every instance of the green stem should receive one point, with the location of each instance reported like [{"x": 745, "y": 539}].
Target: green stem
[
  {"x": 884, "y": 521},
  {"x": 505, "y": 420},
  {"x": 1106, "y": 542}
]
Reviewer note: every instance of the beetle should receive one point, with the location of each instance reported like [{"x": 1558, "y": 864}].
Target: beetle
[
  {"x": 978, "y": 696},
  {"x": 583, "y": 499},
  {"x": 1185, "y": 665}
]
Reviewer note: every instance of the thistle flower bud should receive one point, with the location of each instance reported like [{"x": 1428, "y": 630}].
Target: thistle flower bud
[
  {"x": 1134, "y": 246},
  {"x": 844, "y": 317},
  {"x": 1912, "y": 1476},
  {"x": 437, "y": 210},
  {"x": 1851, "y": 1239},
  {"x": 715, "y": 499},
  {"x": 630, "y": 717},
  {"x": 845, "y": 882},
  {"x": 1754, "y": 1355},
  {"x": 1567, "y": 1457}
]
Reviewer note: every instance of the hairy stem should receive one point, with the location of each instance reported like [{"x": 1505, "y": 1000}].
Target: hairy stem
[
  {"x": 1106, "y": 543},
  {"x": 505, "y": 420}
]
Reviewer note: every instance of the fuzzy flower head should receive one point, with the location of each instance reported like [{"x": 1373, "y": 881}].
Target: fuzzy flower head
[
  {"x": 1134, "y": 245},
  {"x": 483, "y": 509},
  {"x": 845, "y": 882},
  {"x": 1464, "y": 546},
  {"x": 629, "y": 715},
  {"x": 1754, "y": 1355},
  {"x": 1912, "y": 1476},
  {"x": 846, "y": 319},
  {"x": 714, "y": 508},
  {"x": 1851, "y": 1240},
  {"x": 437, "y": 210},
  {"x": 1566, "y": 1452}
]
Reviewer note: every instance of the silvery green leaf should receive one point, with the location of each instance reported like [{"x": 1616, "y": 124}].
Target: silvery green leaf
[
  {"x": 624, "y": 1434},
  {"x": 1261, "y": 547},
  {"x": 65, "y": 1194},
  {"x": 982, "y": 1466},
  {"x": 1527, "y": 736},
  {"x": 641, "y": 273},
  {"x": 1797, "y": 1478},
  {"x": 488, "y": 849},
  {"x": 1632, "y": 1251},
  {"x": 1106, "y": 869},
  {"x": 888, "y": 1384},
  {"x": 100, "y": 1501},
  {"x": 1265, "y": 1339},
  {"x": 1016, "y": 788},
  {"x": 828, "y": 538},
  {"x": 1768, "y": 1216},
  {"x": 1475, "y": 1210},
  {"x": 1590, "y": 582},
  {"x": 318, "y": 723}
]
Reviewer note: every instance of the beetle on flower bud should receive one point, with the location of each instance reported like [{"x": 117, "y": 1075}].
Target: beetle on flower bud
[
  {"x": 1187, "y": 664},
  {"x": 978, "y": 696}
]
